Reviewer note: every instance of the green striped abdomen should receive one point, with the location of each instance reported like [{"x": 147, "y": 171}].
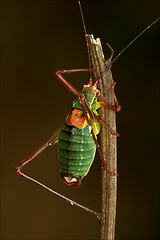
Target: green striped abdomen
[{"x": 76, "y": 151}]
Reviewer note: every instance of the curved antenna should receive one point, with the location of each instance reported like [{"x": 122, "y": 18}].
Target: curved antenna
[
  {"x": 89, "y": 57},
  {"x": 127, "y": 47}
]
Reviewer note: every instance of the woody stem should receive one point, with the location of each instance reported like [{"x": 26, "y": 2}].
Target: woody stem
[{"x": 108, "y": 141}]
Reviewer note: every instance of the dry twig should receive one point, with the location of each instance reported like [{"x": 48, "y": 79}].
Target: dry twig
[{"x": 108, "y": 141}]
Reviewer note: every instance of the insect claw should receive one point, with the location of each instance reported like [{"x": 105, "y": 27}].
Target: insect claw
[
  {"x": 114, "y": 175},
  {"x": 99, "y": 219}
]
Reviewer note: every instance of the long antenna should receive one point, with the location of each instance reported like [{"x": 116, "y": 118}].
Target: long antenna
[
  {"x": 127, "y": 47},
  {"x": 89, "y": 57}
]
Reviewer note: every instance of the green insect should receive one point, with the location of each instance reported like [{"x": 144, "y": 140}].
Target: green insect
[
  {"x": 78, "y": 136},
  {"x": 77, "y": 139}
]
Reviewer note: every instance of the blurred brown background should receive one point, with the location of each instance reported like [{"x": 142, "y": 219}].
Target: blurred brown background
[{"x": 37, "y": 38}]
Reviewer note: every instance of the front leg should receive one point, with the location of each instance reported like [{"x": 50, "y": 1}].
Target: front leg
[
  {"x": 65, "y": 82},
  {"x": 91, "y": 114},
  {"x": 116, "y": 108}
]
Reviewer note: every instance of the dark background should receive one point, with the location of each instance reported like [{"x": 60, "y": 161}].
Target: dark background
[{"x": 37, "y": 38}]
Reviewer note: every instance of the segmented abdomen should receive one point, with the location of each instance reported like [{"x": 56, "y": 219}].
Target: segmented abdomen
[{"x": 76, "y": 151}]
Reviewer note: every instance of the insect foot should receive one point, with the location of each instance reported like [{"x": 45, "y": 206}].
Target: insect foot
[
  {"x": 99, "y": 219},
  {"x": 113, "y": 174}
]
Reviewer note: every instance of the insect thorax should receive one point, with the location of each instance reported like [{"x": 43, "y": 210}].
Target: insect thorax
[{"x": 91, "y": 100}]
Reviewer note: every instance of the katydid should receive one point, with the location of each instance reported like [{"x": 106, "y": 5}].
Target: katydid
[{"x": 77, "y": 139}]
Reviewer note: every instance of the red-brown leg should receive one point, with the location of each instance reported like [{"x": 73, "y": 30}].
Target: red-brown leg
[
  {"x": 102, "y": 123},
  {"x": 116, "y": 108},
  {"x": 85, "y": 106},
  {"x": 92, "y": 115},
  {"x": 65, "y": 82},
  {"x": 51, "y": 141}
]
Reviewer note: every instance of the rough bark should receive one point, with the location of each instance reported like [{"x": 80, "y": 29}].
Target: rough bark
[{"x": 108, "y": 141}]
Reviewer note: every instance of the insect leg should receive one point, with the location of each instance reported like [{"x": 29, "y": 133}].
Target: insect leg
[
  {"x": 112, "y": 51},
  {"x": 116, "y": 108},
  {"x": 98, "y": 117},
  {"x": 102, "y": 123},
  {"x": 73, "y": 70},
  {"x": 85, "y": 106},
  {"x": 62, "y": 196},
  {"x": 101, "y": 156},
  {"x": 51, "y": 141},
  {"x": 65, "y": 82}
]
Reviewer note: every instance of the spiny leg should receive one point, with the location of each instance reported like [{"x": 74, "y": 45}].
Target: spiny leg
[
  {"x": 98, "y": 117},
  {"x": 116, "y": 108},
  {"x": 102, "y": 123},
  {"x": 75, "y": 92},
  {"x": 74, "y": 70},
  {"x": 53, "y": 140},
  {"x": 50, "y": 142},
  {"x": 65, "y": 82},
  {"x": 85, "y": 106}
]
